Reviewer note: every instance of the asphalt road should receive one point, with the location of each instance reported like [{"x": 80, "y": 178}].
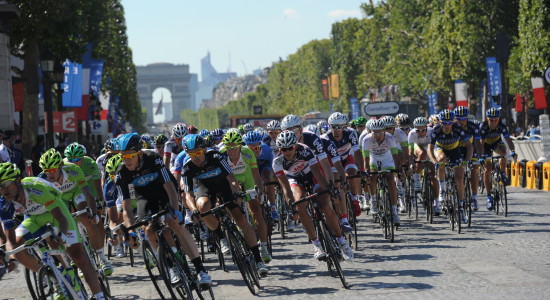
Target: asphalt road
[{"x": 497, "y": 258}]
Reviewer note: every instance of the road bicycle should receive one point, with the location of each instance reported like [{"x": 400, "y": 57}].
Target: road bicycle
[{"x": 383, "y": 200}]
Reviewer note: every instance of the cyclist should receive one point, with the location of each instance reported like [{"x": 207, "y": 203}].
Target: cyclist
[
  {"x": 243, "y": 162},
  {"x": 350, "y": 155},
  {"x": 114, "y": 199},
  {"x": 323, "y": 126},
  {"x": 297, "y": 168},
  {"x": 419, "y": 138},
  {"x": 144, "y": 178},
  {"x": 360, "y": 125},
  {"x": 206, "y": 174},
  {"x": 403, "y": 122},
  {"x": 247, "y": 127},
  {"x": 491, "y": 132},
  {"x": 160, "y": 141},
  {"x": 379, "y": 148},
  {"x": 173, "y": 147},
  {"x": 76, "y": 193},
  {"x": 273, "y": 129},
  {"x": 472, "y": 130},
  {"x": 402, "y": 145},
  {"x": 443, "y": 148},
  {"x": 264, "y": 159},
  {"x": 41, "y": 203},
  {"x": 338, "y": 172},
  {"x": 217, "y": 134},
  {"x": 434, "y": 120}
]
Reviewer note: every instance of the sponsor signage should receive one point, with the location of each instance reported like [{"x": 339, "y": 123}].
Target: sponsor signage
[{"x": 381, "y": 108}]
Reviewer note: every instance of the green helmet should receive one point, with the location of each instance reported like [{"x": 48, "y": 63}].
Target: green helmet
[
  {"x": 75, "y": 150},
  {"x": 50, "y": 159},
  {"x": 361, "y": 121},
  {"x": 113, "y": 164},
  {"x": 233, "y": 137},
  {"x": 8, "y": 171}
]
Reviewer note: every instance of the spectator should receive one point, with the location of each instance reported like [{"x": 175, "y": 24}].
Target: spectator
[
  {"x": 36, "y": 152},
  {"x": 17, "y": 149},
  {"x": 6, "y": 154},
  {"x": 61, "y": 146}
]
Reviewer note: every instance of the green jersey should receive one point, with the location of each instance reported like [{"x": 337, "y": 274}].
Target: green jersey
[
  {"x": 243, "y": 168},
  {"x": 72, "y": 184},
  {"x": 91, "y": 172}
]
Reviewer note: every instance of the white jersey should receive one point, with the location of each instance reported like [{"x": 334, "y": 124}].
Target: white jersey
[
  {"x": 400, "y": 138},
  {"x": 101, "y": 163},
  {"x": 380, "y": 155},
  {"x": 362, "y": 137},
  {"x": 421, "y": 142}
]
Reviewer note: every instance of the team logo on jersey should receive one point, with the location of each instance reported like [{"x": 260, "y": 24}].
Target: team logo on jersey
[
  {"x": 298, "y": 166},
  {"x": 159, "y": 161},
  {"x": 145, "y": 179},
  {"x": 210, "y": 174},
  {"x": 34, "y": 191},
  {"x": 67, "y": 186},
  {"x": 344, "y": 150},
  {"x": 71, "y": 173}
]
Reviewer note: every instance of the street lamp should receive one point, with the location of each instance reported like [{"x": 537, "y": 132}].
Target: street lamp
[{"x": 47, "y": 65}]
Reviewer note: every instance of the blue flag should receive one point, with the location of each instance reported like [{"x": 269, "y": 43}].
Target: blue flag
[
  {"x": 354, "y": 107},
  {"x": 72, "y": 85},
  {"x": 493, "y": 76},
  {"x": 96, "y": 73},
  {"x": 432, "y": 102}
]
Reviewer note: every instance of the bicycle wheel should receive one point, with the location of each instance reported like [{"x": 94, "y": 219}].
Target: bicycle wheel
[
  {"x": 32, "y": 283},
  {"x": 456, "y": 211},
  {"x": 167, "y": 262},
  {"x": 333, "y": 255},
  {"x": 503, "y": 199},
  {"x": 269, "y": 224},
  {"x": 48, "y": 284},
  {"x": 351, "y": 236},
  {"x": 251, "y": 263},
  {"x": 179, "y": 263},
  {"x": 281, "y": 206},
  {"x": 217, "y": 249},
  {"x": 467, "y": 206},
  {"x": 240, "y": 259},
  {"x": 155, "y": 270},
  {"x": 496, "y": 191},
  {"x": 389, "y": 214}
]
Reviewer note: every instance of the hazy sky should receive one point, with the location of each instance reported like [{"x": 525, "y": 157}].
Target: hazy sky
[{"x": 238, "y": 33}]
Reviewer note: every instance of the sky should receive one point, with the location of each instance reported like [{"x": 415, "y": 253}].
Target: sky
[{"x": 241, "y": 35}]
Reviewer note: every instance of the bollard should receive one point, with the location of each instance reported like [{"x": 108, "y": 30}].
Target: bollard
[
  {"x": 530, "y": 175},
  {"x": 522, "y": 173},
  {"x": 514, "y": 171},
  {"x": 538, "y": 175},
  {"x": 546, "y": 176}
]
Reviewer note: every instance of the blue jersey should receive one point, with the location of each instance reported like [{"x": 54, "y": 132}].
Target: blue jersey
[
  {"x": 178, "y": 163},
  {"x": 348, "y": 145},
  {"x": 491, "y": 136},
  {"x": 7, "y": 212},
  {"x": 314, "y": 142},
  {"x": 110, "y": 192},
  {"x": 450, "y": 140},
  {"x": 330, "y": 149},
  {"x": 265, "y": 160}
]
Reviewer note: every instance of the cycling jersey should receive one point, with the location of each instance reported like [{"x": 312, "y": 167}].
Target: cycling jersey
[
  {"x": 450, "y": 140},
  {"x": 380, "y": 152},
  {"x": 423, "y": 142},
  {"x": 110, "y": 193},
  {"x": 173, "y": 150},
  {"x": 41, "y": 197},
  {"x": 330, "y": 149},
  {"x": 298, "y": 170},
  {"x": 265, "y": 159},
  {"x": 492, "y": 136},
  {"x": 243, "y": 167},
  {"x": 178, "y": 163},
  {"x": 345, "y": 146},
  {"x": 400, "y": 139},
  {"x": 272, "y": 144},
  {"x": 314, "y": 143},
  {"x": 72, "y": 184},
  {"x": 213, "y": 172},
  {"x": 472, "y": 130},
  {"x": 91, "y": 172}
]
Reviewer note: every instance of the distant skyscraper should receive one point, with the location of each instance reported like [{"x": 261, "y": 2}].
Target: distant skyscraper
[{"x": 209, "y": 80}]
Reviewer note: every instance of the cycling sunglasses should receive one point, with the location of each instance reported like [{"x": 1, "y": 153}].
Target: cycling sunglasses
[
  {"x": 129, "y": 156},
  {"x": 337, "y": 127},
  {"x": 196, "y": 153},
  {"x": 255, "y": 147},
  {"x": 5, "y": 184},
  {"x": 50, "y": 170},
  {"x": 74, "y": 159},
  {"x": 286, "y": 149},
  {"x": 447, "y": 123},
  {"x": 232, "y": 147},
  {"x": 422, "y": 130}
]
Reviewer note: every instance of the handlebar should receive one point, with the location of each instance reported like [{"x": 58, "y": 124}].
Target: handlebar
[{"x": 308, "y": 198}]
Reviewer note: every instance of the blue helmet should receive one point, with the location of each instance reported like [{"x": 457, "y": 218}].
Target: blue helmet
[
  {"x": 129, "y": 141},
  {"x": 493, "y": 112},
  {"x": 461, "y": 112},
  {"x": 204, "y": 132},
  {"x": 446, "y": 115},
  {"x": 218, "y": 132},
  {"x": 114, "y": 144},
  {"x": 193, "y": 141},
  {"x": 253, "y": 137}
]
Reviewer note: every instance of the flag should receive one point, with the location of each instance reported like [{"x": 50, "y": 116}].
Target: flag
[
  {"x": 18, "y": 95},
  {"x": 461, "y": 93},
  {"x": 72, "y": 85},
  {"x": 354, "y": 106},
  {"x": 538, "y": 93},
  {"x": 158, "y": 111},
  {"x": 519, "y": 103},
  {"x": 432, "y": 101},
  {"x": 96, "y": 73},
  {"x": 493, "y": 76}
]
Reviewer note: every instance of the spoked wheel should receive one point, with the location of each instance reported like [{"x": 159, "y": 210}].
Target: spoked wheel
[
  {"x": 155, "y": 271},
  {"x": 351, "y": 236},
  {"x": 48, "y": 285},
  {"x": 504, "y": 200},
  {"x": 333, "y": 257},
  {"x": 241, "y": 261},
  {"x": 32, "y": 283}
]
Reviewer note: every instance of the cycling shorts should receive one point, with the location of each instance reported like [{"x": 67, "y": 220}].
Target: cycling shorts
[
  {"x": 35, "y": 225},
  {"x": 464, "y": 151},
  {"x": 146, "y": 208},
  {"x": 489, "y": 148},
  {"x": 385, "y": 161},
  {"x": 119, "y": 206},
  {"x": 305, "y": 181},
  {"x": 349, "y": 163},
  {"x": 454, "y": 156},
  {"x": 221, "y": 190}
]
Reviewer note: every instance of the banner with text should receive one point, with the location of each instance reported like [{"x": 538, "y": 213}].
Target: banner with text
[
  {"x": 432, "y": 102},
  {"x": 354, "y": 107},
  {"x": 72, "y": 85},
  {"x": 96, "y": 73},
  {"x": 461, "y": 93},
  {"x": 493, "y": 76}
]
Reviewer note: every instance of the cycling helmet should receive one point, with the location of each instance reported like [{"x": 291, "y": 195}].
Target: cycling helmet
[
  {"x": 377, "y": 124},
  {"x": 493, "y": 112},
  {"x": 291, "y": 121},
  {"x": 446, "y": 115},
  {"x": 286, "y": 139},
  {"x": 218, "y": 132},
  {"x": 114, "y": 164},
  {"x": 232, "y": 130},
  {"x": 323, "y": 126},
  {"x": 435, "y": 119},
  {"x": 420, "y": 121},
  {"x": 337, "y": 118},
  {"x": 146, "y": 141},
  {"x": 313, "y": 128},
  {"x": 161, "y": 139},
  {"x": 50, "y": 159},
  {"x": 74, "y": 150},
  {"x": 248, "y": 127},
  {"x": 274, "y": 125},
  {"x": 193, "y": 129},
  {"x": 130, "y": 141},
  {"x": 204, "y": 132},
  {"x": 253, "y": 137},
  {"x": 402, "y": 120},
  {"x": 193, "y": 141},
  {"x": 389, "y": 121},
  {"x": 233, "y": 137},
  {"x": 461, "y": 112},
  {"x": 179, "y": 130},
  {"x": 9, "y": 171},
  {"x": 108, "y": 146},
  {"x": 208, "y": 140},
  {"x": 361, "y": 121}
]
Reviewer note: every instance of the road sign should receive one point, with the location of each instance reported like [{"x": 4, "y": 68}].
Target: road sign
[
  {"x": 381, "y": 108},
  {"x": 98, "y": 127},
  {"x": 547, "y": 75}
]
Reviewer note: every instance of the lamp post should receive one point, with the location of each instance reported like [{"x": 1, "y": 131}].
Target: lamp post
[{"x": 47, "y": 64}]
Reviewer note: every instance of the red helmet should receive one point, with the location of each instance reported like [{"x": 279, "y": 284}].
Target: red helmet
[{"x": 193, "y": 129}]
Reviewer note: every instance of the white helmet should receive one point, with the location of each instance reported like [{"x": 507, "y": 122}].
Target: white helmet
[
  {"x": 420, "y": 121},
  {"x": 248, "y": 127},
  {"x": 274, "y": 125},
  {"x": 179, "y": 130},
  {"x": 291, "y": 121},
  {"x": 313, "y": 128},
  {"x": 378, "y": 124},
  {"x": 337, "y": 118},
  {"x": 389, "y": 121},
  {"x": 286, "y": 139}
]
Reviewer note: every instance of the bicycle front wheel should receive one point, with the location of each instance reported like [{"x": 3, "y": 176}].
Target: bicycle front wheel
[
  {"x": 333, "y": 256},
  {"x": 241, "y": 260},
  {"x": 48, "y": 284},
  {"x": 32, "y": 283},
  {"x": 155, "y": 271}
]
